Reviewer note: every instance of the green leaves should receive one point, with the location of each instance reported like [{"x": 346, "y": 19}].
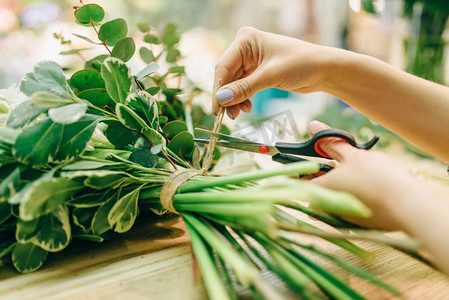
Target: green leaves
[
  {"x": 28, "y": 257},
  {"x": 55, "y": 232},
  {"x": 86, "y": 79},
  {"x": 25, "y": 113},
  {"x": 117, "y": 78},
  {"x": 146, "y": 107},
  {"x": 44, "y": 195},
  {"x": 46, "y": 77},
  {"x": 90, "y": 13},
  {"x": 67, "y": 114},
  {"x": 113, "y": 31},
  {"x": 124, "y": 49},
  {"x": 173, "y": 128},
  {"x": 48, "y": 141},
  {"x": 182, "y": 144},
  {"x": 47, "y": 100},
  {"x": 124, "y": 212},
  {"x": 146, "y": 55},
  {"x": 129, "y": 118}
]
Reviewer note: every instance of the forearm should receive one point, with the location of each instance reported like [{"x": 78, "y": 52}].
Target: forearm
[
  {"x": 423, "y": 213},
  {"x": 412, "y": 107}
]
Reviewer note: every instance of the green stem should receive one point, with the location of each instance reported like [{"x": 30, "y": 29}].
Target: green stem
[
  {"x": 300, "y": 168},
  {"x": 211, "y": 277}
]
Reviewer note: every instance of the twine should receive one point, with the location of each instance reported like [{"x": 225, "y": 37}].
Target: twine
[
  {"x": 181, "y": 176},
  {"x": 209, "y": 155},
  {"x": 172, "y": 184}
]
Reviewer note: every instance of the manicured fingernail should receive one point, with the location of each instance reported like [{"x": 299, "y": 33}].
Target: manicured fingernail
[
  {"x": 230, "y": 115},
  {"x": 316, "y": 126},
  {"x": 225, "y": 95}
]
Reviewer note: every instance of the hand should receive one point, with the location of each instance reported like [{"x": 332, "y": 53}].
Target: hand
[
  {"x": 371, "y": 176},
  {"x": 257, "y": 60}
]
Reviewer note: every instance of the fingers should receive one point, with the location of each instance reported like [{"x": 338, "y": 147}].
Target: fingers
[
  {"x": 334, "y": 147},
  {"x": 233, "y": 111},
  {"x": 237, "y": 77}
]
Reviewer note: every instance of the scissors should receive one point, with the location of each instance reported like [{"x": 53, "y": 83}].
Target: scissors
[{"x": 287, "y": 152}]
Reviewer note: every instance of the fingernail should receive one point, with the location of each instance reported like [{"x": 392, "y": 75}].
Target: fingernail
[
  {"x": 316, "y": 126},
  {"x": 230, "y": 115},
  {"x": 225, "y": 95}
]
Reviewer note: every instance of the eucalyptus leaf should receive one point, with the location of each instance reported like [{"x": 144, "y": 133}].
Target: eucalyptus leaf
[
  {"x": 47, "y": 100},
  {"x": 96, "y": 62},
  {"x": 182, "y": 144},
  {"x": 117, "y": 77},
  {"x": 74, "y": 51},
  {"x": 144, "y": 157},
  {"x": 124, "y": 212},
  {"x": 28, "y": 257},
  {"x": 151, "y": 68},
  {"x": 67, "y": 114},
  {"x": 146, "y": 55},
  {"x": 87, "y": 39},
  {"x": 151, "y": 39},
  {"x": 177, "y": 70},
  {"x": 124, "y": 49},
  {"x": 143, "y": 27},
  {"x": 89, "y": 13},
  {"x": 98, "y": 97},
  {"x": 173, "y": 128},
  {"x": 113, "y": 31},
  {"x": 119, "y": 135},
  {"x": 46, "y": 77},
  {"x": 86, "y": 79},
  {"x": 153, "y": 90},
  {"x": 172, "y": 55}
]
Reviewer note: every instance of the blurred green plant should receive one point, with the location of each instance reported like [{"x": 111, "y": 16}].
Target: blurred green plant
[{"x": 425, "y": 43}]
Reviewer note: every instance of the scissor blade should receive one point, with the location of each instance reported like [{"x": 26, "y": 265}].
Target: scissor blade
[
  {"x": 222, "y": 136},
  {"x": 244, "y": 146}
]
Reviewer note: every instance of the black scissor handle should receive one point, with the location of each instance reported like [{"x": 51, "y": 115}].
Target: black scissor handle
[
  {"x": 311, "y": 146},
  {"x": 287, "y": 159}
]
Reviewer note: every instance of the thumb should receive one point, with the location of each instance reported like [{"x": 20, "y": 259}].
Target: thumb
[{"x": 238, "y": 91}]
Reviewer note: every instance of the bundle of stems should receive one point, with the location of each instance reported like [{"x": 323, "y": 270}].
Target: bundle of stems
[{"x": 82, "y": 158}]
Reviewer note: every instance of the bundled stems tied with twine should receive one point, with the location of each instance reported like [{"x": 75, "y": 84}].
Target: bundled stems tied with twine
[{"x": 181, "y": 176}]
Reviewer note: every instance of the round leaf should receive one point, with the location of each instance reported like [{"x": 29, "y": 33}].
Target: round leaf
[
  {"x": 86, "y": 79},
  {"x": 119, "y": 135},
  {"x": 143, "y": 26},
  {"x": 98, "y": 97},
  {"x": 146, "y": 55},
  {"x": 89, "y": 13},
  {"x": 182, "y": 144},
  {"x": 124, "y": 49},
  {"x": 151, "y": 39},
  {"x": 113, "y": 31},
  {"x": 144, "y": 157},
  {"x": 173, "y": 128},
  {"x": 96, "y": 62}
]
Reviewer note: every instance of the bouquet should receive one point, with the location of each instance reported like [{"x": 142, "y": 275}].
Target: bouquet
[{"x": 82, "y": 158}]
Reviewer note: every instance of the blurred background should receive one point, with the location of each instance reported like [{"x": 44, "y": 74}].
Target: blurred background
[{"x": 409, "y": 34}]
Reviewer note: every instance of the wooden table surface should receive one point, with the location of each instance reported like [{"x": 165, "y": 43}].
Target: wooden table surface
[{"x": 154, "y": 261}]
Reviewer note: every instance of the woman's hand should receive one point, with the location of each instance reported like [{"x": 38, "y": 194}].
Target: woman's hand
[
  {"x": 257, "y": 60},
  {"x": 371, "y": 176}
]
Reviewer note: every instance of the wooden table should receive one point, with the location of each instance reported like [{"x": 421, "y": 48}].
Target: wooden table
[{"x": 154, "y": 261}]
